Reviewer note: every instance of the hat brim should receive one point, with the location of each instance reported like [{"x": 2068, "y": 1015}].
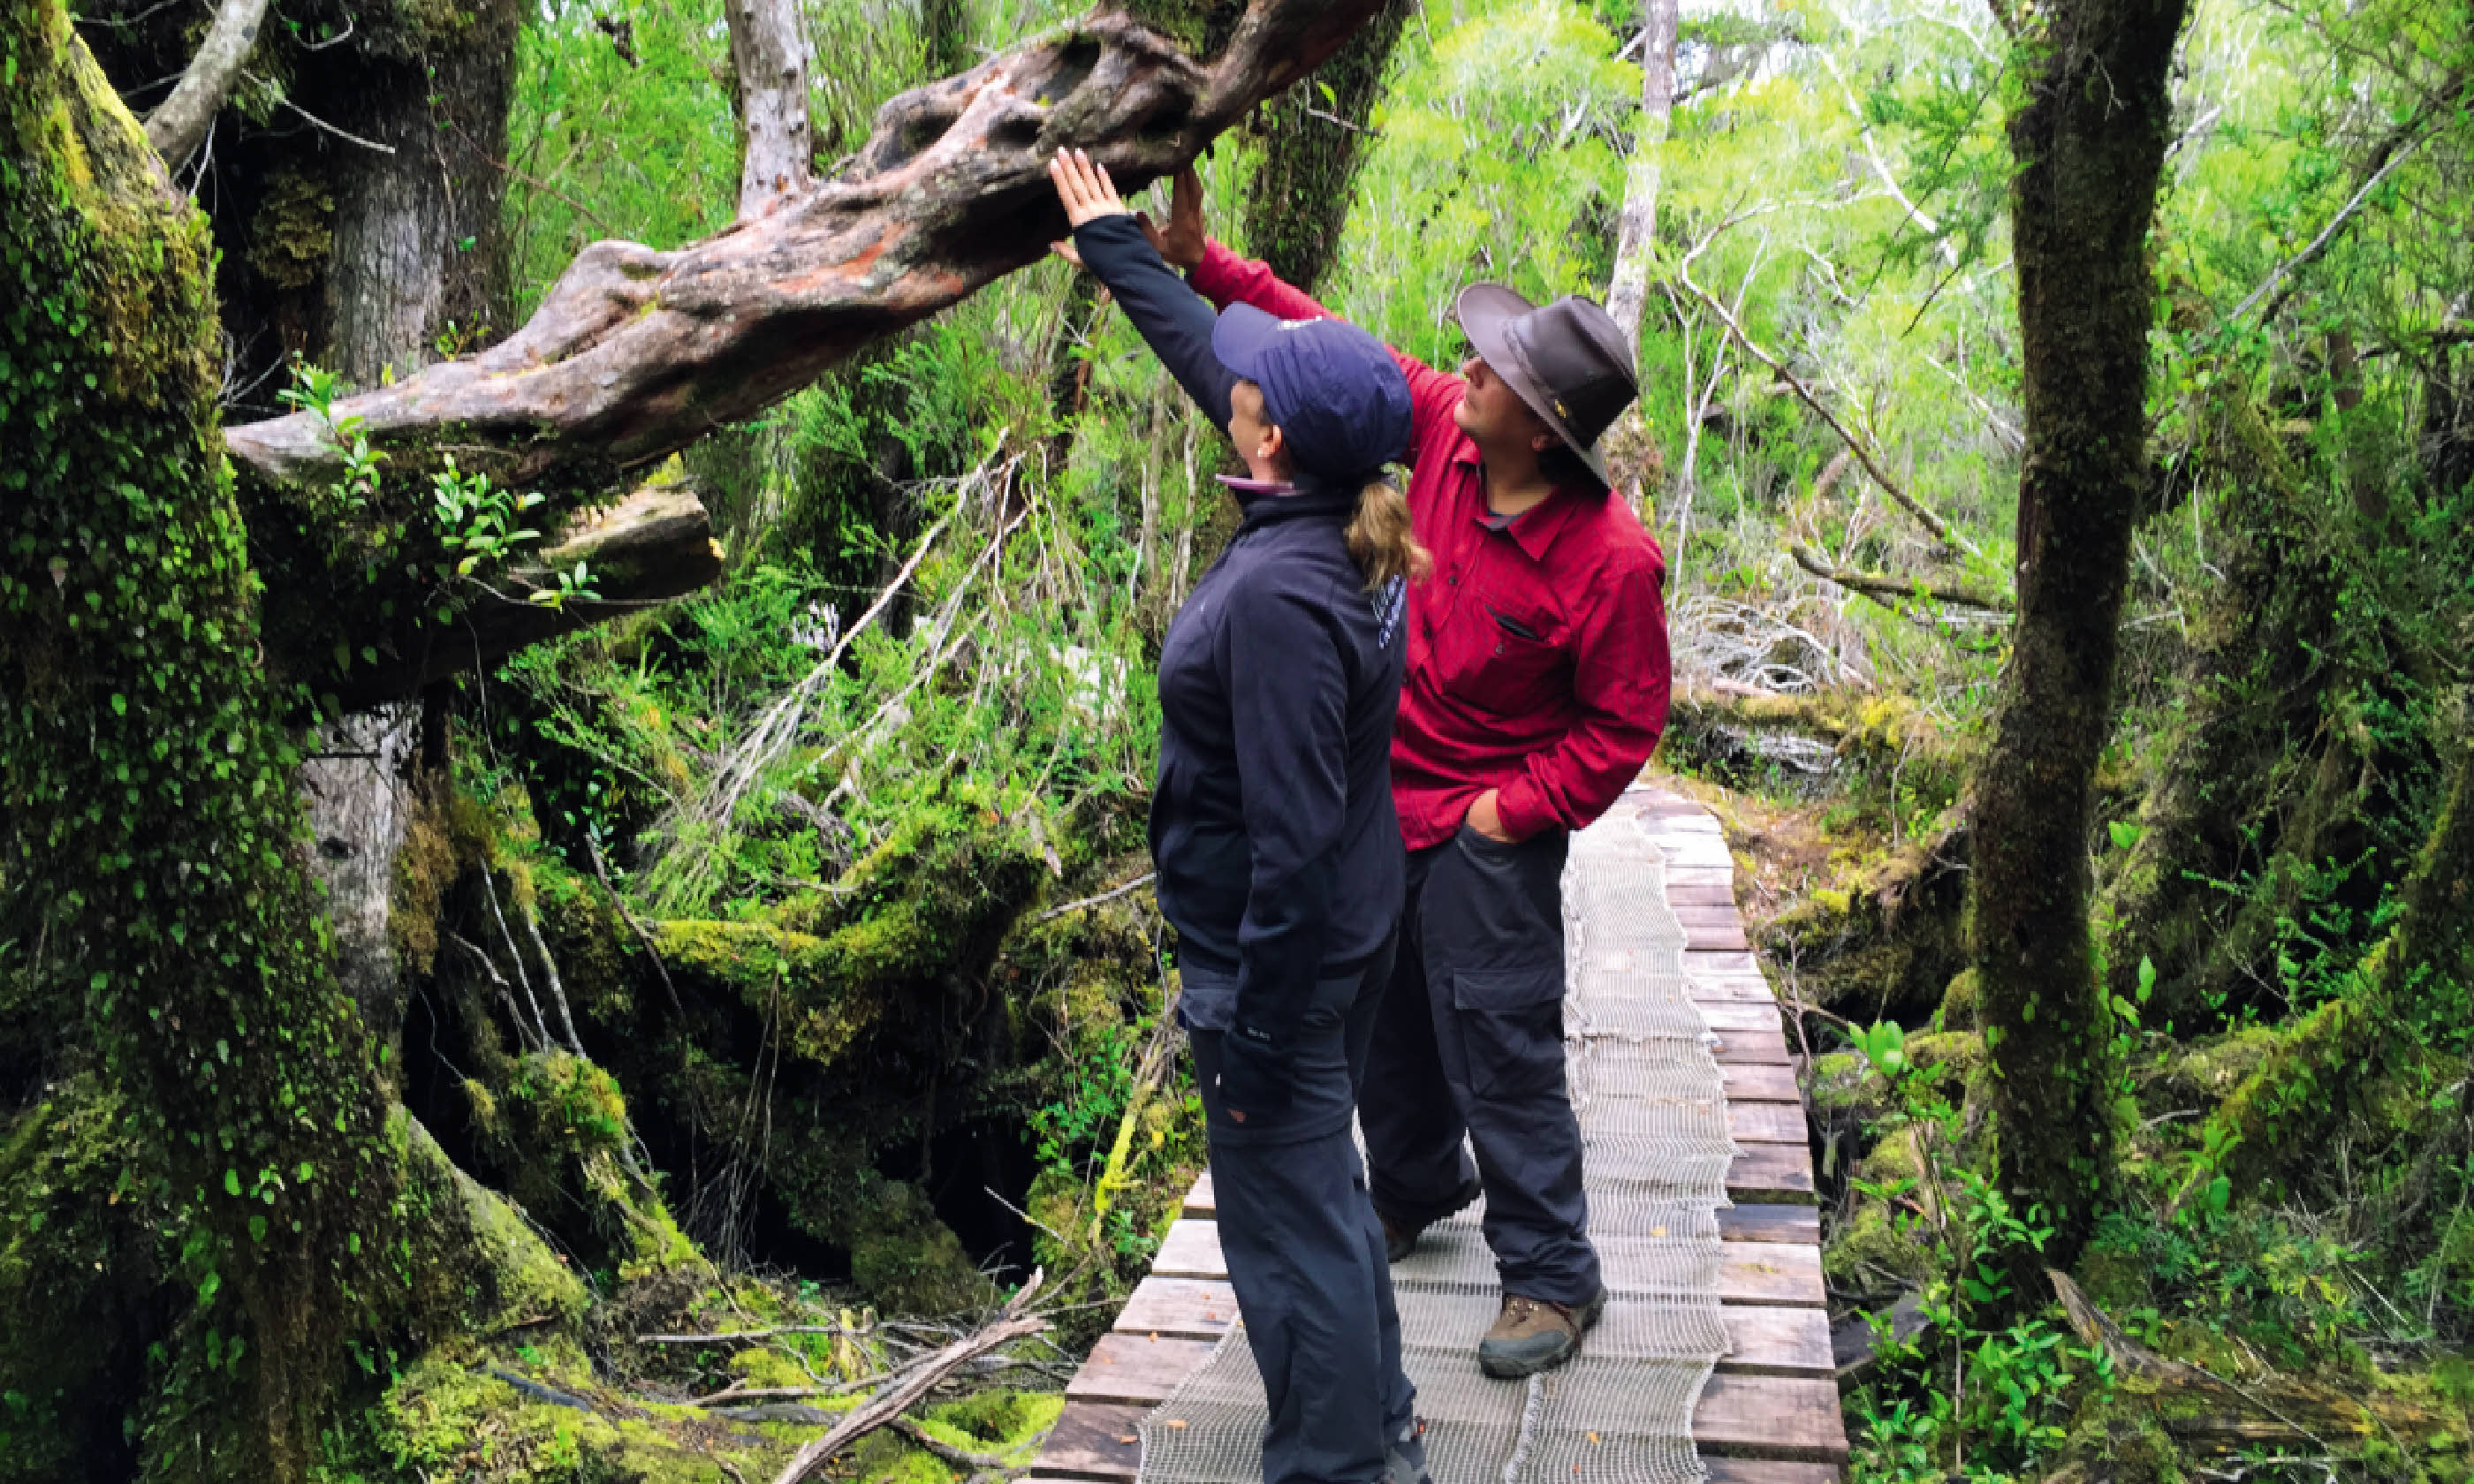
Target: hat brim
[{"x": 1486, "y": 312}]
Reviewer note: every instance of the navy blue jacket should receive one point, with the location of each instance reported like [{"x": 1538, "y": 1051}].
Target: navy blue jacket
[{"x": 1272, "y": 829}]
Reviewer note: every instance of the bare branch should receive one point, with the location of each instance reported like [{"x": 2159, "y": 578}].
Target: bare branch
[
  {"x": 770, "y": 53},
  {"x": 1940, "y": 528},
  {"x": 1882, "y": 587},
  {"x": 180, "y": 125},
  {"x": 891, "y": 1403}
]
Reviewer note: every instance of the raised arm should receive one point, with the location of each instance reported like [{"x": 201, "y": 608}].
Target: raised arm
[
  {"x": 1224, "y": 279},
  {"x": 1174, "y": 319}
]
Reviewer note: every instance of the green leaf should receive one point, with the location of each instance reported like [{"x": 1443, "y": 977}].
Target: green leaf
[{"x": 231, "y": 1181}]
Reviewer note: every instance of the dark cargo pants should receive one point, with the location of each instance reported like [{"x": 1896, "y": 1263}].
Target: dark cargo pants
[
  {"x": 1470, "y": 1042},
  {"x": 1306, "y": 1251}
]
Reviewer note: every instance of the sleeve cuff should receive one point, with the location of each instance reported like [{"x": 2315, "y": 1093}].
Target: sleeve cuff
[
  {"x": 1522, "y": 807},
  {"x": 1213, "y": 277}
]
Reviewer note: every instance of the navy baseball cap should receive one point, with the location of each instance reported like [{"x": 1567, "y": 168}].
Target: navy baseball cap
[{"x": 1336, "y": 397}]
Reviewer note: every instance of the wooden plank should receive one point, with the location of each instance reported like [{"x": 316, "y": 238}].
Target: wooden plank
[
  {"x": 1778, "y": 1273},
  {"x": 1715, "y": 935},
  {"x": 1700, "y": 893},
  {"x": 1200, "y": 1200},
  {"x": 1770, "y": 1416},
  {"x": 1719, "y": 989},
  {"x": 1190, "y": 1249},
  {"x": 1187, "y": 1309},
  {"x": 1766, "y": 1123},
  {"x": 1719, "y": 961},
  {"x": 1739, "y": 1046},
  {"x": 1749, "y": 1081},
  {"x": 1093, "y": 1440},
  {"x": 1771, "y": 1174},
  {"x": 1778, "y": 1342},
  {"x": 1790, "y": 1225},
  {"x": 1136, "y": 1368},
  {"x": 1760, "y": 1471},
  {"x": 1700, "y": 871},
  {"x": 1730, "y": 1015}
]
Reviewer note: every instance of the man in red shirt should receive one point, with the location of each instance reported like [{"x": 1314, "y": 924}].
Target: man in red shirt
[{"x": 1537, "y": 689}]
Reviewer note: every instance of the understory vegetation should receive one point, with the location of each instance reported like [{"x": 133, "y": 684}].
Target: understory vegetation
[{"x": 769, "y": 987}]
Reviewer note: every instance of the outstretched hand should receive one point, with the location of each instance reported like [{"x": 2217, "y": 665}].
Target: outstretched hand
[{"x": 1088, "y": 194}]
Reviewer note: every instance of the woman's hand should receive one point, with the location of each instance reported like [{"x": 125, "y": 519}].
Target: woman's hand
[{"x": 1087, "y": 192}]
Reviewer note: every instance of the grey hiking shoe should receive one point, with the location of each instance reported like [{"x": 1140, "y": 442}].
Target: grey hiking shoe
[
  {"x": 1401, "y": 1238},
  {"x": 1404, "y": 1461},
  {"x": 1531, "y": 1335}
]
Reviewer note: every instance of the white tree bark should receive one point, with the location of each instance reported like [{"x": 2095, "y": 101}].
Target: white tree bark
[
  {"x": 1639, "y": 225},
  {"x": 770, "y": 53},
  {"x": 179, "y": 124}
]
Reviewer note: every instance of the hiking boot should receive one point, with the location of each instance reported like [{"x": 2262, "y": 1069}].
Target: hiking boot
[
  {"x": 1400, "y": 1238},
  {"x": 1533, "y": 1335},
  {"x": 1404, "y": 1460}
]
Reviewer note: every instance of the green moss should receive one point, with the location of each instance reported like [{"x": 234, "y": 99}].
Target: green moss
[
  {"x": 767, "y": 967},
  {"x": 292, "y": 233},
  {"x": 1958, "y": 1011},
  {"x": 471, "y": 1421},
  {"x": 149, "y": 756},
  {"x": 558, "y": 1132},
  {"x": 1870, "y": 1247},
  {"x": 76, "y": 1268}
]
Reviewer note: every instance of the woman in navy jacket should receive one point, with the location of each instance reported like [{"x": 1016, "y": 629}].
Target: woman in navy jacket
[{"x": 1274, "y": 833}]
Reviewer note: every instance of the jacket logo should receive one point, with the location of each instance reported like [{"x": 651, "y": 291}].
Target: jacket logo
[{"x": 1389, "y": 602}]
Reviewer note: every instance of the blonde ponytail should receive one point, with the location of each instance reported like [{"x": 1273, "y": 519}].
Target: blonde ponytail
[{"x": 1379, "y": 538}]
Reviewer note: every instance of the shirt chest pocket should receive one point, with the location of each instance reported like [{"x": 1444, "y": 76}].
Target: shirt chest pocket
[{"x": 1503, "y": 655}]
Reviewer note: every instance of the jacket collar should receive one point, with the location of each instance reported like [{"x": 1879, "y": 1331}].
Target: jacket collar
[
  {"x": 1535, "y": 529},
  {"x": 1265, "y": 503}
]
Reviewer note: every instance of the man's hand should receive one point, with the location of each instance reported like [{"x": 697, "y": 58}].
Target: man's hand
[
  {"x": 1483, "y": 818},
  {"x": 1088, "y": 194},
  {"x": 1182, "y": 240}
]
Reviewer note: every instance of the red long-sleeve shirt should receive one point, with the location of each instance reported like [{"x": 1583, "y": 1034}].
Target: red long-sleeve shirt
[{"x": 1538, "y": 659}]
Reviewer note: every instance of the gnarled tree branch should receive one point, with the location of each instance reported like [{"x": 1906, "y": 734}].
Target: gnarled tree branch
[
  {"x": 180, "y": 123},
  {"x": 637, "y": 351},
  {"x": 1882, "y": 587}
]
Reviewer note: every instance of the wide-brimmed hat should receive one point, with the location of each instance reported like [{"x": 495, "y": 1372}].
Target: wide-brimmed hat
[
  {"x": 1338, "y": 397},
  {"x": 1568, "y": 361}
]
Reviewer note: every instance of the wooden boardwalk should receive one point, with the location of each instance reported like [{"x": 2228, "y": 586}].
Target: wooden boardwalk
[{"x": 1770, "y": 1414}]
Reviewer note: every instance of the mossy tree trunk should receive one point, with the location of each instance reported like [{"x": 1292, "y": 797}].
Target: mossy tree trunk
[
  {"x": 2088, "y": 139},
  {"x": 2353, "y": 1054},
  {"x": 2255, "y": 676},
  {"x": 1298, "y": 204},
  {"x": 154, "y": 842}
]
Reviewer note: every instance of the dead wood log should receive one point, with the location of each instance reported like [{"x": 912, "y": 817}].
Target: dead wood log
[
  {"x": 637, "y": 351},
  {"x": 654, "y": 545},
  {"x": 180, "y": 123},
  {"x": 2210, "y": 1411}
]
